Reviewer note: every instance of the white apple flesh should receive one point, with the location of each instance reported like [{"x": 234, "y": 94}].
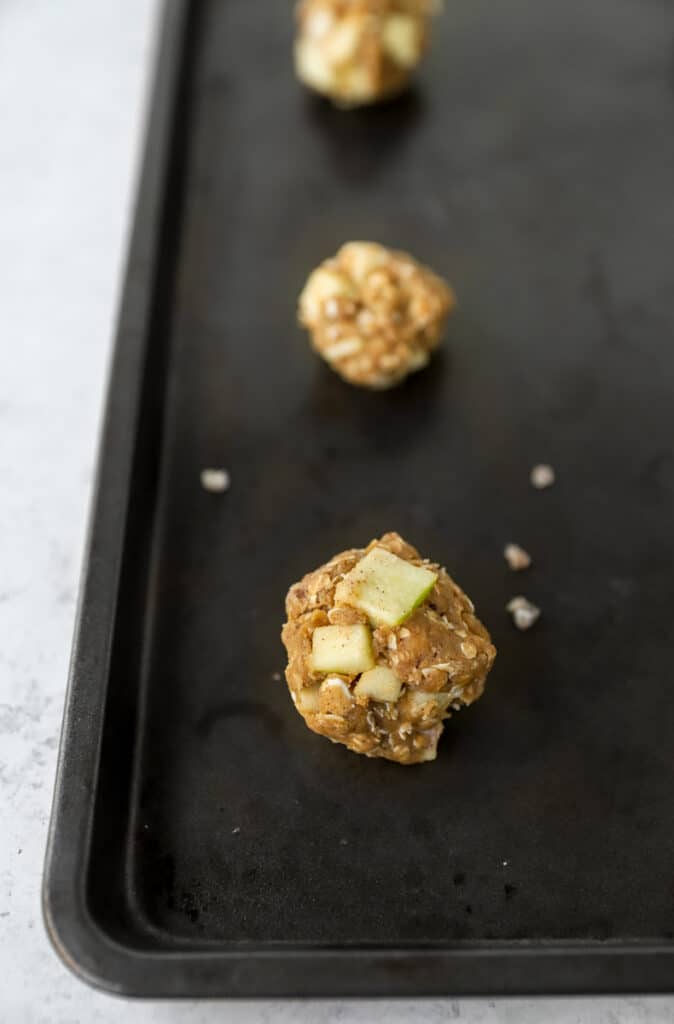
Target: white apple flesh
[
  {"x": 343, "y": 649},
  {"x": 379, "y": 684}
]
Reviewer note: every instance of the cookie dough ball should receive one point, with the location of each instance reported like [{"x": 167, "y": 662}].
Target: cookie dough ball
[
  {"x": 359, "y": 51},
  {"x": 374, "y": 314},
  {"x": 382, "y": 647}
]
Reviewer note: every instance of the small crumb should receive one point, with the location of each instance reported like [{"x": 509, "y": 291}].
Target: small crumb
[
  {"x": 215, "y": 480},
  {"x": 542, "y": 476},
  {"x": 276, "y": 676},
  {"x": 505, "y": 863},
  {"x": 524, "y": 613},
  {"x": 343, "y": 842},
  {"x": 235, "y": 831},
  {"x": 516, "y": 557}
]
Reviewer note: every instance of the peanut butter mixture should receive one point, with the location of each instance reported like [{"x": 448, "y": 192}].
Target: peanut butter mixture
[
  {"x": 374, "y": 314},
  {"x": 395, "y": 684},
  {"x": 360, "y": 51}
]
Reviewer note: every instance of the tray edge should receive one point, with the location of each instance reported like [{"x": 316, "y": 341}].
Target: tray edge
[{"x": 69, "y": 926}]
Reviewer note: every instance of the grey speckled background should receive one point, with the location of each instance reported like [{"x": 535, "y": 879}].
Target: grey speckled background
[{"x": 72, "y": 78}]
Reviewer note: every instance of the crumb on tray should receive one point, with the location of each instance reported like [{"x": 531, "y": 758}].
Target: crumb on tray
[
  {"x": 216, "y": 481},
  {"x": 524, "y": 613},
  {"x": 516, "y": 557},
  {"x": 542, "y": 476}
]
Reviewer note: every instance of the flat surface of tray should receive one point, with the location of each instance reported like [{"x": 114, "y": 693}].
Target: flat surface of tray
[{"x": 204, "y": 842}]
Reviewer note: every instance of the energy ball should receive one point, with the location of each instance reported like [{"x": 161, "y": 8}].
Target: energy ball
[
  {"x": 382, "y": 647},
  {"x": 374, "y": 314},
  {"x": 360, "y": 51}
]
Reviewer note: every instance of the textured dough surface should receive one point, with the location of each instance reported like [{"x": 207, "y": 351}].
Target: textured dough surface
[
  {"x": 359, "y": 51},
  {"x": 374, "y": 314},
  {"x": 442, "y": 655}
]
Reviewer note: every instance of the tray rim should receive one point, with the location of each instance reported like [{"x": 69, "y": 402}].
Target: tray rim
[{"x": 249, "y": 970}]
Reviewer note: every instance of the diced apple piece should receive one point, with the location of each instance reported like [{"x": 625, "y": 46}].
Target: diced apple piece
[
  {"x": 343, "y": 649},
  {"x": 361, "y": 258},
  {"x": 402, "y": 39},
  {"x": 319, "y": 22},
  {"x": 312, "y": 66},
  {"x": 380, "y": 684},
  {"x": 417, "y": 360},
  {"x": 343, "y": 40},
  {"x": 323, "y": 284},
  {"x": 420, "y": 698},
  {"x": 385, "y": 587},
  {"x": 309, "y": 699}
]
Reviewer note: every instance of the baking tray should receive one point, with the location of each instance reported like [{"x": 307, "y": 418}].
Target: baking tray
[{"x": 203, "y": 842}]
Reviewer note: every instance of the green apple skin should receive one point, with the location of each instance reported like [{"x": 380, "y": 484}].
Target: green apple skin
[{"x": 387, "y": 588}]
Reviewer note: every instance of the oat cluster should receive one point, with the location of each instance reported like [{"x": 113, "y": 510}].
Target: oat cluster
[
  {"x": 359, "y": 51},
  {"x": 440, "y": 656},
  {"x": 374, "y": 314}
]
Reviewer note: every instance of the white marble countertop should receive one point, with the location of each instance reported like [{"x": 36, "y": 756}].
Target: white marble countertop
[{"x": 72, "y": 80}]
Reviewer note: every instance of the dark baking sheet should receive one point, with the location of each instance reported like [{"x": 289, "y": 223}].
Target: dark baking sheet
[{"x": 203, "y": 841}]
